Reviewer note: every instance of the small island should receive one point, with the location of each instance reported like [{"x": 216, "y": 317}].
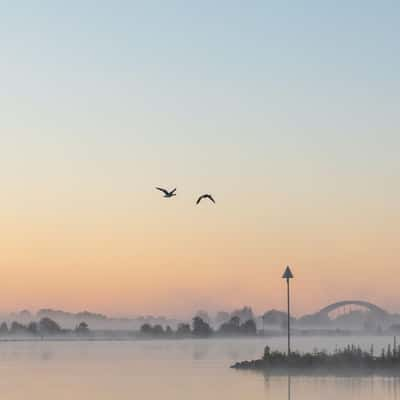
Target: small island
[{"x": 350, "y": 361}]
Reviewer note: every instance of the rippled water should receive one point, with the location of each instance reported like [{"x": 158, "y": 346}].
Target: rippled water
[{"x": 171, "y": 370}]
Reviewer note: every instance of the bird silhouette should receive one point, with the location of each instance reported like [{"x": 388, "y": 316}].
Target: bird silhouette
[
  {"x": 166, "y": 192},
  {"x": 205, "y": 196}
]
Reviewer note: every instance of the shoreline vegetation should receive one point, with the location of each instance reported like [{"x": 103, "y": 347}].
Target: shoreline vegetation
[
  {"x": 241, "y": 322},
  {"x": 47, "y": 328},
  {"x": 348, "y": 361}
]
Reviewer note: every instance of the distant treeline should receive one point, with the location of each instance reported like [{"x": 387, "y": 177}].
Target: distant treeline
[
  {"x": 201, "y": 328},
  {"x": 45, "y": 327}
]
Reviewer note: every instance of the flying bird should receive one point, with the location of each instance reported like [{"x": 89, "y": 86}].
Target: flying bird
[
  {"x": 166, "y": 192},
  {"x": 205, "y": 196}
]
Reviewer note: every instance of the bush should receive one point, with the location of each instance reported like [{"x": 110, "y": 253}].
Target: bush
[
  {"x": 48, "y": 326},
  {"x": 201, "y": 328}
]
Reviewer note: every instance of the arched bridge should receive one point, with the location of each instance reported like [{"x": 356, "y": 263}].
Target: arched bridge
[{"x": 372, "y": 307}]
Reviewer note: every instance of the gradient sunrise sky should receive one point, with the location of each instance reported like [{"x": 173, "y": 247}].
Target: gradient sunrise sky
[{"x": 288, "y": 112}]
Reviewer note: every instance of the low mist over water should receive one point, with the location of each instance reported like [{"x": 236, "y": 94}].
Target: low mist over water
[{"x": 172, "y": 370}]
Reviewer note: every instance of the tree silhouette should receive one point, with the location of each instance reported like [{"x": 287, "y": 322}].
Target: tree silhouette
[
  {"x": 33, "y": 328},
  {"x": 146, "y": 329},
  {"x": 82, "y": 328},
  {"x": 48, "y": 326},
  {"x": 17, "y": 328},
  {"x": 201, "y": 328},
  {"x": 3, "y": 329},
  {"x": 248, "y": 328},
  {"x": 183, "y": 330}
]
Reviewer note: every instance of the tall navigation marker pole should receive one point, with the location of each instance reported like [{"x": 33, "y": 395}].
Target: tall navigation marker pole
[{"x": 288, "y": 275}]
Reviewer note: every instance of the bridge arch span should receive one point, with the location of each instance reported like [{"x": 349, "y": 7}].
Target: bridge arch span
[{"x": 372, "y": 307}]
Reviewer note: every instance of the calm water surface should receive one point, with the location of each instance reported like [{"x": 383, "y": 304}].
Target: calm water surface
[{"x": 171, "y": 370}]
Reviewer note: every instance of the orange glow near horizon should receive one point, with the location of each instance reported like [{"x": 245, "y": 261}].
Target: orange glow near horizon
[{"x": 181, "y": 258}]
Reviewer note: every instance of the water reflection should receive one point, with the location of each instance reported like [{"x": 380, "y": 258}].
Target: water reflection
[
  {"x": 170, "y": 370},
  {"x": 46, "y": 355},
  {"x": 316, "y": 387}
]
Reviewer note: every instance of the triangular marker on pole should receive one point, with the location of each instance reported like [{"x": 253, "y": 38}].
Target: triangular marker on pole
[{"x": 287, "y": 274}]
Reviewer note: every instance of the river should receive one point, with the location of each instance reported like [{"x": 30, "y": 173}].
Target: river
[{"x": 172, "y": 370}]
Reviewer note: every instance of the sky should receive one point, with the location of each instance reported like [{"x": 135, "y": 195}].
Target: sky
[{"x": 287, "y": 112}]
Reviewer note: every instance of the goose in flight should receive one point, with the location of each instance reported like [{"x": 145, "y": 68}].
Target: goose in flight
[
  {"x": 205, "y": 196},
  {"x": 166, "y": 192}
]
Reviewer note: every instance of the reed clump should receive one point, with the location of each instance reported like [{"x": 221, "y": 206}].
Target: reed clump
[{"x": 344, "y": 361}]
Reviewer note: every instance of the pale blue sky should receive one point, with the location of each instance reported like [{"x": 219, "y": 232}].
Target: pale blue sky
[
  {"x": 262, "y": 73},
  {"x": 267, "y": 85}
]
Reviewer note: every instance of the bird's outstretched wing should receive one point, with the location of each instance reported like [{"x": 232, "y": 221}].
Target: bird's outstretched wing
[
  {"x": 199, "y": 199},
  {"x": 162, "y": 190},
  {"x": 173, "y": 191},
  {"x": 211, "y": 198}
]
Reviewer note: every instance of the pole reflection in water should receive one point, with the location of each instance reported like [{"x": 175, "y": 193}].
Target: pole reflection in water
[{"x": 267, "y": 385}]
